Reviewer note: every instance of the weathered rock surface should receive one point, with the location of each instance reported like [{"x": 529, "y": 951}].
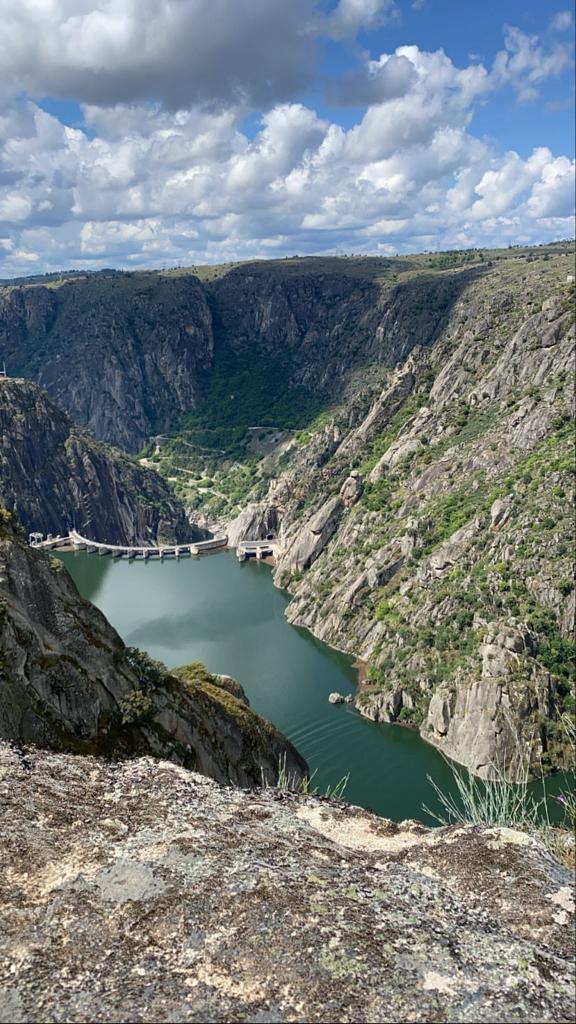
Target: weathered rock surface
[
  {"x": 67, "y": 682},
  {"x": 151, "y": 893},
  {"x": 308, "y": 542},
  {"x": 395, "y": 454},
  {"x": 254, "y": 523},
  {"x": 324, "y": 317},
  {"x": 55, "y": 476},
  {"x": 351, "y": 489},
  {"x": 456, "y": 546},
  {"x": 144, "y": 340},
  {"x": 149, "y": 339},
  {"x": 488, "y": 722}
]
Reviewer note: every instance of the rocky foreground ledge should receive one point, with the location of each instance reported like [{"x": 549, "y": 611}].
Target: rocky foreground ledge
[{"x": 141, "y": 891}]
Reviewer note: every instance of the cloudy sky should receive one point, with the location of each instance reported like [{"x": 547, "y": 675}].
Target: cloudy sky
[{"x": 149, "y": 133}]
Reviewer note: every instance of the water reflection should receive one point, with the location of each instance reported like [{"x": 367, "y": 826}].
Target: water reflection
[
  {"x": 231, "y": 617},
  {"x": 88, "y": 573}
]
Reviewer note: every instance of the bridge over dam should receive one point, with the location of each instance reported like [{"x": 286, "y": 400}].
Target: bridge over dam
[
  {"x": 245, "y": 549},
  {"x": 143, "y": 552}
]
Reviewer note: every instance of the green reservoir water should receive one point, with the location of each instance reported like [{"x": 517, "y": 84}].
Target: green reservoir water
[{"x": 231, "y": 617}]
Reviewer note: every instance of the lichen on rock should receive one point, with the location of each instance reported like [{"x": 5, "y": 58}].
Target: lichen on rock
[{"x": 152, "y": 893}]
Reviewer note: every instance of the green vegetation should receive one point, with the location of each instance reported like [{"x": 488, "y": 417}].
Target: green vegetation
[
  {"x": 494, "y": 802},
  {"x": 385, "y": 612},
  {"x": 148, "y": 671},
  {"x": 136, "y": 707},
  {"x": 213, "y": 459},
  {"x": 538, "y": 486},
  {"x": 450, "y": 512},
  {"x": 247, "y": 388},
  {"x": 455, "y": 258},
  {"x": 10, "y": 527},
  {"x": 195, "y": 672},
  {"x": 291, "y": 783},
  {"x": 471, "y": 424},
  {"x": 381, "y": 444},
  {"x": 498, "y": 802}
]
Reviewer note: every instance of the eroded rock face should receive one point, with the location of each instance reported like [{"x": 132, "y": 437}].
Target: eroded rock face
[
  {"x": 151, "y": 893},
  {"x": 308, "y": 543},
  {"x": 145, "y": 339},
  {"x": 384, "y": 705},
  {"x": 149, "y": 338},
  {"x": 254, "y": 523},
  {"x": 351, "y": 489},
  {"x": 322, "y": 321},
  {"x": 395, "y": 454},
  {"x": 67, "y": 682},
  {"x": 450, "y": 571},
  {"x": 487, "y": 723},
  {"x": 55, "y": 476}
]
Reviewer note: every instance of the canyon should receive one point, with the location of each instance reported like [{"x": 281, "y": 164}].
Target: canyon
[
  {"x": 68, "y": 682},
  {"x": 403, "y": 432},
  {"x": 402, "y": 427}
]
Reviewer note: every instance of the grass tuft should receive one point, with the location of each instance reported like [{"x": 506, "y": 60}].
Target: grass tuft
[
  {"x": 291, "y": 783},
  {"x": 498, "y": 802}
]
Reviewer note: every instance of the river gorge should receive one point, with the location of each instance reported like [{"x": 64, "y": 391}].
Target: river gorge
[{"x": 231, "y": 617}]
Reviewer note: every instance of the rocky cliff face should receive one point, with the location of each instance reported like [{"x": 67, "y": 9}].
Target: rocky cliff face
[
  {"x": 67, "y": 682},
  {"x": 422, "y": 519},
  {"x": 55, "y": 476},
  {"x": 123, "y": 354},
  {"x": 323, "y": 318},
  {"x": 151, "y": 893},
  {"x": 155, "y": 344},
  {"x": 425, "y": 526}
]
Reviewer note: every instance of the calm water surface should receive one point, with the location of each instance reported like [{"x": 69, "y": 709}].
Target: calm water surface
[{"x": 230, "y": 616}]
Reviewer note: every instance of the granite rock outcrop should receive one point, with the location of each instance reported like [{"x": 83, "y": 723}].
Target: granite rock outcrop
[{"x": 152, "y": 893}]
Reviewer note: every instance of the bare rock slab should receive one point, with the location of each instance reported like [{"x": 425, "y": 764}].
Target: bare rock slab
[{"x": 141, "y": 891}]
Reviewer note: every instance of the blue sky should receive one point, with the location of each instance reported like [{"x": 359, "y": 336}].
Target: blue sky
[
  {"x": 461, "y": 30},
  {"x": 162, "y": 132},
  {"x": 465, "y": 30}
]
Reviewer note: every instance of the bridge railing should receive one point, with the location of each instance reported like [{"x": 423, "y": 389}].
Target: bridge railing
[{"x": 77, "y": 541}]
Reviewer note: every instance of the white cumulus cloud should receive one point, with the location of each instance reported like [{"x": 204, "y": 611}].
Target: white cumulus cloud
[
  {"x": 526, "y": 62},
  {"x": 157, "y": 175},
  {"x": 176, "y": 51}
]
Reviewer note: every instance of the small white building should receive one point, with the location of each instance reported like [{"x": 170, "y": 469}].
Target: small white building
[{"x": 34, "y": 539}]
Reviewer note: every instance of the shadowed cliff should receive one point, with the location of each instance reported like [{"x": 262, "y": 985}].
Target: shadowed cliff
[
  {"x": 67, "y": 682},
  {"x": 56, "y": 476}
]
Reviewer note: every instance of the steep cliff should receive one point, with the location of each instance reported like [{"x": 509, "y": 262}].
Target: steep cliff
[
  {"x": 320, "y": 318},
  {"x": 267, "y": 342},
  {"x": 423, "y": 511},
  {"x": 55, "y": 476},
  {"x": 425, "y": 526},
  {"x": 123, "y": 354},
  {"x": 152, "y": 894},
  {"x": 67, "y": 682}
]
